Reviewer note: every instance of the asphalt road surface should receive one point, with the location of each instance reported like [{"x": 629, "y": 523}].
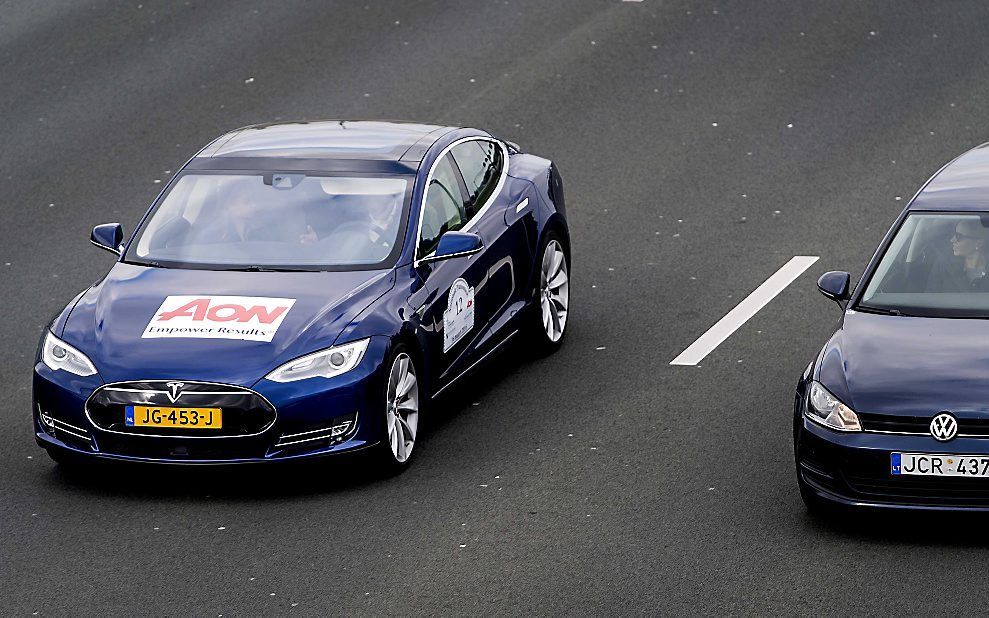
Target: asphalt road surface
[{"x": 703, "y": 145}]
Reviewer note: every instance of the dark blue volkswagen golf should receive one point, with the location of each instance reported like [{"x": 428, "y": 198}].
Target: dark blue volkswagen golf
[
  {"x": 304, "y": 289},
  {"x": 894, "y": 411}
]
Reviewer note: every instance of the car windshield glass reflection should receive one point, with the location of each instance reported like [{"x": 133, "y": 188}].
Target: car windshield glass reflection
[
  {"x": 290, "y": 221},
  {"x": 935, "y": 266}
]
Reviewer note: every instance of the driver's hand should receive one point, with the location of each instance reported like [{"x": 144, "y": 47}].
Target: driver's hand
[{"x": 308, "y": 236}]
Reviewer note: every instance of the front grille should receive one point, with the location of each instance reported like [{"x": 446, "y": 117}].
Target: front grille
[
  {"x": 183, "y": 449},
  {"x": 244, "y": 412},
  {"x": 920, "y": 490},
  {"x": 894, "y": 423}
]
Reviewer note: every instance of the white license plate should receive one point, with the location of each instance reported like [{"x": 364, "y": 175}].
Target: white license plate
[{"x": 927, "y": 464}]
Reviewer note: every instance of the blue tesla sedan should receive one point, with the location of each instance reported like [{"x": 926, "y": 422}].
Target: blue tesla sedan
[
  {"x": 303, "y": 289},
  {"x": 894, "y": 410}
]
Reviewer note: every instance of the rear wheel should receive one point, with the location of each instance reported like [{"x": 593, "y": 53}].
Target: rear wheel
[
  {"x": 401, "y": 412},
  {"x": 549, "y": 320}
]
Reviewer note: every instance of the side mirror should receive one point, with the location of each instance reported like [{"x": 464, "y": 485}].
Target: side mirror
[
  {"x": 109, "y": 236},
  {"x": 455, "y": 244},
  {"x": 835, "y": 285}
]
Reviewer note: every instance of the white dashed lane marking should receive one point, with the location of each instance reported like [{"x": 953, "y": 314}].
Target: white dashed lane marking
[{"x": 733, "y": 320}]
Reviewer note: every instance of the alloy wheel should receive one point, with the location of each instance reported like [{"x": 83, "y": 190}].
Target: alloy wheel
[
  {"x": 402, "y": 416},
  {"x": 554, "y": 289}
]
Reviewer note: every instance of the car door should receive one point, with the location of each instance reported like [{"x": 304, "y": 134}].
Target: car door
[
  {"x": 453, "y": 308},
  {"x": 498, "y": 210}
]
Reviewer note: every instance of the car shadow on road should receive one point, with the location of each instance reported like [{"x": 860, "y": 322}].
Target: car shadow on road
[
  {"x": 916, "y": 528},
  {"x": 498, "y": 372},
  {"x": 250, "y": 481},
  {"x": 278, "y": 480}
]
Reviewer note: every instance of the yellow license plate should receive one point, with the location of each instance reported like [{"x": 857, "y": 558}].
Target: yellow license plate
[{"x": 187, "y": 418}]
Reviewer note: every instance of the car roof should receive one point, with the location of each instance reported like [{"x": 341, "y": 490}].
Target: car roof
[
  {"x": 962, "y": 184},
  {"x": 362, "y": 140}
]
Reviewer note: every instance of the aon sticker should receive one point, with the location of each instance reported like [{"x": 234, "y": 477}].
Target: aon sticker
[
  {"x": 250, "y": 318},
  {"x": 458, "y": 318}
]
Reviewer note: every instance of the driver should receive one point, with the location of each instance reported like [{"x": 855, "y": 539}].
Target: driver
[
  {"x": 383, "y": 220},
  {"x": 969, "y": 243},
  {"x": 377, "y": 218},
  {"x": 246, "y": 218},
  {"x": 241, "y": 215}
]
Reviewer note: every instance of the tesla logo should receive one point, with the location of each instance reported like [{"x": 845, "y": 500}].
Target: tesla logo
[
  {"x": 944, "y": 427},
  {"x": 175, "y": 390},
  {"x": 251, "y": 318}
]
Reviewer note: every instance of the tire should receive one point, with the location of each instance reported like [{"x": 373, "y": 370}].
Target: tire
[
  {"x": 549, "y": 315},
  {"x": 404, "y": 399}
]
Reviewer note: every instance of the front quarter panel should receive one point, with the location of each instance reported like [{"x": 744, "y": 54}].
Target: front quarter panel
[
  {"x": 58, "y": 323},
  {"x": 313, "y": 403},
  {"x": 830, "y": 368}
]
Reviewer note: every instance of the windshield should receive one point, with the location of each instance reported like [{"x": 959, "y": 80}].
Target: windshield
[
  {"x": 277, "y": 221},
  {"x": 935, "y": 266}
]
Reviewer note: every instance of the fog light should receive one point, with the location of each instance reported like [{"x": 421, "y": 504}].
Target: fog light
[
  {"x": 342, "y": 428},
  {"x": 46, "y": 421}
]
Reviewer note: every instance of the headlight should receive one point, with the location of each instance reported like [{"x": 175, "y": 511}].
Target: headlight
[
  {"x": 824, "y": 408},
  {"x": 325, "y": 364},
  {"x": 57, "y": 354}
]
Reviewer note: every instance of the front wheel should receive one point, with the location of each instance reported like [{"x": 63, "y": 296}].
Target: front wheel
[
  {"x": 549, "y": 319},
  {"x": 402, "y": 404}
]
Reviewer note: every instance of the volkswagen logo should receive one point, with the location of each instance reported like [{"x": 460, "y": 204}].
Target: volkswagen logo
[{"x": 944, "y": 427}]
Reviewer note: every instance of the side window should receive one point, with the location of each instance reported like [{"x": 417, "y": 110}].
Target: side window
[
  {"x": 480, "y": 162},
  {"x": 444, "y": 207}
]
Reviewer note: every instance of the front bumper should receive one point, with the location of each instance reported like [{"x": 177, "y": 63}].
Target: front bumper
[
  {"x": 309, "y": 418},
  {"x": 853, "y": 469}
]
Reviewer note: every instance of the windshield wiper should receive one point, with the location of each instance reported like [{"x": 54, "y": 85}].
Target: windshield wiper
[
  {"x": 267, "y": 269},
  {"x": 883, "y": 311}
]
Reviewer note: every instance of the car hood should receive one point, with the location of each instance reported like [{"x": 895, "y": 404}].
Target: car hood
[
  {"x": 907, "y": 365},
  {"x": 109, "y": 321}
]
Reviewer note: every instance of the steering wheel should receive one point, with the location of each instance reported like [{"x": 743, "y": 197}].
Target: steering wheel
[
  {"x": 359, "y": 228},
  {"x": 382, "y": 235},
  {"x": 349, "y": 227}
]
